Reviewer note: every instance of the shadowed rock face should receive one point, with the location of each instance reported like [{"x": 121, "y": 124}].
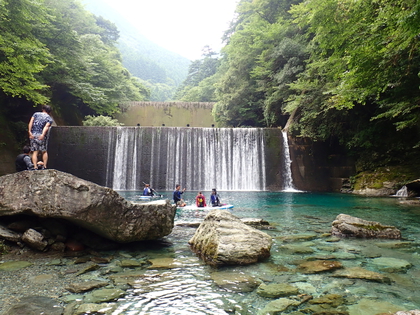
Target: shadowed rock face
[{"x": 54, "y": 194}]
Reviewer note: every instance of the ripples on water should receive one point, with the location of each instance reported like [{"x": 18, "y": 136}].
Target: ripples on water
[{"x": 189, "y": 289}]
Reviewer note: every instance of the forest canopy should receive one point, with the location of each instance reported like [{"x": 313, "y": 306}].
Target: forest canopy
[
  {"x": 57, "y": 52},
  {"x": 335, "y": 70}
]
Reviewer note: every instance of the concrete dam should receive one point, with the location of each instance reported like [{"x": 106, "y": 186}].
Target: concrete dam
[{"x": 248, "y": 159}]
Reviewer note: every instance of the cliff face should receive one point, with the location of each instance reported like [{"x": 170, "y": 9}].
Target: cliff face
[{"x": 317, "y": 166}]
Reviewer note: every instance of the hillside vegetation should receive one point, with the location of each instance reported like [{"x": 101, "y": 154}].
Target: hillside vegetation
[
  {"x": 162, "y": 71},
  {"x": 335, "y": 70}
]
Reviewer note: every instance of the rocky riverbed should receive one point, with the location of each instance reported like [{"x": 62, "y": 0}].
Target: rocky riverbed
[{"x": 66, "y": 277}]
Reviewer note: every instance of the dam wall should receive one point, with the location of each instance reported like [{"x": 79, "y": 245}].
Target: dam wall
[{"x": 198, "y": 158}]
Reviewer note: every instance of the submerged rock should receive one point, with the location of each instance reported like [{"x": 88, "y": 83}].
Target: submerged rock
[
  {"x": 54, "y": 194},
  {"x": 390, "y": 264},
  {"x": 372, "y": 307},
  {"x": 361, "y": 273},
  {"x": 223, "y": 238},
  {"x": 35, "y": 305},
  {"x": 276, "y": 290},
  {"x": 235, "y": 281},
  {"x": 92, "y": 308},
  {"x": 278, "y": 306},
  {"x": 86, "y": 286},
  {"x": 14, "y": 265},
  {"x": 317, "y": 266},
  {"x": 103, "y": 295},
  {"x": 345, "y": 225}
]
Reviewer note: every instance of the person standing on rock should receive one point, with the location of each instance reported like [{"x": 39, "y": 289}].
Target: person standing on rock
[
  {"x": 38, "y": 129},
  {"x": 23, "y": 161},
  {"x": 177, "y": 196}
]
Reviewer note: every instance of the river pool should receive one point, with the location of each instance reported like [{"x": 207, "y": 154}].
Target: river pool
[{"x": 189, "y": 288}]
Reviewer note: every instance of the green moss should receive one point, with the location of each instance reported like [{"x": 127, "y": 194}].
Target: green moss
[
  {"x": 397, "y": 175},
  {"x": 4, "y": 249},
  {"x": 371, "y": 227}
]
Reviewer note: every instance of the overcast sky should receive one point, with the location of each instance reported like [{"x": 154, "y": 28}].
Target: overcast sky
[{"x": 181, "y": 26}]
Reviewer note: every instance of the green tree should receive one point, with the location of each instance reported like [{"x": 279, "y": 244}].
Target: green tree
[
  {"x": 100, "y": 121},
  {"x": 264, "y": 54},
  {"x": 362, "y": 52},
  {"x": 91, "y": 73},
  {"x": 197, "y": 87},
  {"x": 22, "y": 55}
]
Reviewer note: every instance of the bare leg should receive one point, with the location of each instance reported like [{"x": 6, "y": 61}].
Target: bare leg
[
  {"x": 45, "y": 158},
  {"x": 35, "y": 159}
]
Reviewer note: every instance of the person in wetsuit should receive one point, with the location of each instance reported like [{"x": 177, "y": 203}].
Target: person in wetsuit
[
  {"x": 215, "y": 198},
  {"x": 23, "y": 161},
  {"x": 177, "y": 196}
]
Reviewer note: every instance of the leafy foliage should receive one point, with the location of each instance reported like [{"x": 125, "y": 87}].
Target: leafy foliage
[
  {"x": 22, "y": 54},
  {"x": 163, "y": 70},
  {"x": 57, "y": 52},
  {"x": 100, "y": 121},
  {"x": 332, "y": 70},
  {"x": 199, "y": 84}
]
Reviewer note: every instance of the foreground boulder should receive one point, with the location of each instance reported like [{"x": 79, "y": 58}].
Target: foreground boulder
[
  {"x": 223, "y": 239},
  {"x": 54, "y": 194},
  {"x": 345, "y": 225}
]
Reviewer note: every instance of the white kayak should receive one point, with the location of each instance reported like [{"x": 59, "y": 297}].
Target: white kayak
[
  {"x": 194, "y": 207},
  {"x": 149, "y": 197}
]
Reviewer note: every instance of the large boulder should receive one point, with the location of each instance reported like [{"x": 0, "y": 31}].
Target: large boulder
[
  {"x": 223, "y": 239},
  {"x": 54, "y": 194},
  {"x": 345, "y": 225}
]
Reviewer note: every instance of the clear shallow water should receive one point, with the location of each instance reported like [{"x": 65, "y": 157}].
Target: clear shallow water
[{"x": 190, "y": 289}]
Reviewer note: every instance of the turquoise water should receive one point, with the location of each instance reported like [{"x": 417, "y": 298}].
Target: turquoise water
[{"x": 189, "y": 288}]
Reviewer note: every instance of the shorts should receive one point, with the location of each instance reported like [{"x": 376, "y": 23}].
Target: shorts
[{"x": 38, "y": 145}]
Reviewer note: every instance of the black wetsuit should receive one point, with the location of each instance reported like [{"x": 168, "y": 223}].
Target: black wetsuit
[{"x": 23, "y": 162}]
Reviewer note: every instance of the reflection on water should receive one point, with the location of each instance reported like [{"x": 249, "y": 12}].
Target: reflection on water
[{"x": 189, "y": 288}]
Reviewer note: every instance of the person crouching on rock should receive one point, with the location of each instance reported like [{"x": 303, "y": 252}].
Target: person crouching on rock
[{"x": 23, "y": 161}]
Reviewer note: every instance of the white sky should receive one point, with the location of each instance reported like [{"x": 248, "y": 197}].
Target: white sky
[{"x": 181, "y": 26}]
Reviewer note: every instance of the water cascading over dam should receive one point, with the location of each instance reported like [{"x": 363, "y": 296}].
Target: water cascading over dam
[{"x": 196, "y": 158}]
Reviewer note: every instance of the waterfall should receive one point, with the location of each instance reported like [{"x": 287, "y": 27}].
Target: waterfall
[
  {"x": 403, "y": 192},
  {"x": 287, "y": 167},
  {"x": 196, "y": 158}
]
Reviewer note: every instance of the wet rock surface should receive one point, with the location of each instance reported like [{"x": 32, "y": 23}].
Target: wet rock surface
[
  {"x": 223, "y": 238},
  {"x": 101, "y": 210},
  {"x": 347, "y": 226},
  {"x": 35, "y": 305}
]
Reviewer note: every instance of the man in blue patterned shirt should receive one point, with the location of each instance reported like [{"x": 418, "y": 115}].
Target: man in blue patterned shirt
[{"x": 39, "y": 127}]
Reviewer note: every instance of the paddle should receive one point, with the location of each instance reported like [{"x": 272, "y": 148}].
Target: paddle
[{"x": 154, "y": 191}]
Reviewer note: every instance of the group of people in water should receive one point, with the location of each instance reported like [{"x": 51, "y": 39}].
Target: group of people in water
[{"x": 200, "y": 199}]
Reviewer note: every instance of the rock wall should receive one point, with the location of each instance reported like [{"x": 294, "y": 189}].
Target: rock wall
[{"x": 317, "y": 166}]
